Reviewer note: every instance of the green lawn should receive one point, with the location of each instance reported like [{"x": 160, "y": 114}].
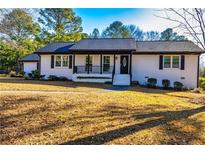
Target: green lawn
[{"x": 135, "y": 116}]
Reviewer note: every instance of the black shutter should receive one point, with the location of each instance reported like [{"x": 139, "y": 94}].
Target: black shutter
[
  {"x": 161, "y": 62},
  {"x": 52, "y": 61},
  {"x": 38, "y": 65},
  {"x": 70, "y": 62},
  {"x": 182, "y": 62}
]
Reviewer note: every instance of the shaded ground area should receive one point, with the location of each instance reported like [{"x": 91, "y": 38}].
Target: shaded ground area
[
  {"x": 132, "y": 116},
  {"x": 36, "y": 85}
]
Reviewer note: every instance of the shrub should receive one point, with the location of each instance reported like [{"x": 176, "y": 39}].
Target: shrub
[
  {"x": 30, "y": 75},
  {"x": 152, "y": 82},
  {"x": 42, "y": 77},
  {"x": 178, "y": 85},
  {"x": 165, "y": 83},
  {"x": 135, "y": 83},
  {"x": 22, "y": 73},
  {"x": 35, "y": 74},
  {"x": 202, "y": 83},
  {"x": 53, "y": 78},
  {"x": 63, "y": 78}
]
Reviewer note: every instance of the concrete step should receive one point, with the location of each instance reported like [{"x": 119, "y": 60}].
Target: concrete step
[{"x": 121, "y": 79}]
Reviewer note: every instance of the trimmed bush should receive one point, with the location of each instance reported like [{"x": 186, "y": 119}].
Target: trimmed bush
[
  {"x": 35, "y": 74},
  {"x": 135, "y": 83},
  {"x": 178, "y": 85},
  {"x": 53, "y": 78},
  {"x": 152, "y": 82},
  {"x": 165, "y": 83},
  {"x": 202, "y": 83},
  {"x": 63, "y": 78}
]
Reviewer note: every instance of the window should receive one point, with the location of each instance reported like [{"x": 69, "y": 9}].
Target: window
[
  {"x": 167, "y": 61},
  {"x": 58, "y": 61},
  {"x": 90, "y": 63},
  {"x": 171, "y": 61},
  {"x": 175, "y": 62},
  {"x": 106, "y": 63},
  {"x": 65, "y": 61},
  {"x": 61, "y": 61}
]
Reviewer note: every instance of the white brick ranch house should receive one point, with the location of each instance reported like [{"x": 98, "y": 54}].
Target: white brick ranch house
[{"x": 119, "y": 61}]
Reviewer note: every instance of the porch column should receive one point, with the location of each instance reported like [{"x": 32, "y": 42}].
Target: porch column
[
  {"x": 130, "y": 67},
  {"x": 88, "y": 71},
  {"x": 113, "y": 73},
  {"x": 74, "y": 69},
  {"x": 101, "y": 63}
]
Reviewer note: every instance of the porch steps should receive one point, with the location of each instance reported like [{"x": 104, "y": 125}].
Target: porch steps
[{"x": 121, "y": 80}]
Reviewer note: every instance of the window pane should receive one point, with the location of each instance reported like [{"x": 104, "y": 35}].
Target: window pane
[
  {"x": 106, "y": 63},
  {"x": 167, "y": 61},
  {"x": 65, "y": 61},
  {"x": 90, "y": 62},
  {"x": 58, "y": 61},
  {"x": 175, "y": 62}
]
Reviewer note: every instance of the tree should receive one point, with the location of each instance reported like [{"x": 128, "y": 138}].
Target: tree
[
  {"x": 191, "y": 22},
  {"x": 16, "y": 27},
  {"x": 116, "y": 30},
  {"x": 169, "y": 35},
  {"x": 135, "y": 32},
  {"x": 95, "y": 33},
  {"x": 18, "y": 24},
  {"x": 152, "y": 36},
  {"x": 60, "y": 24},
  {"x": 7, "y": 57}
]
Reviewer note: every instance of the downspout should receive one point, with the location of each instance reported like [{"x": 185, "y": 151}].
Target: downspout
[
  {"x": 113, "y": 72},
  {"x": 130, "y": 67},
  {"x": 198, "y": 71}
]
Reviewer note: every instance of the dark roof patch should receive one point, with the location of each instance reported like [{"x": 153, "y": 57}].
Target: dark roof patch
[
  {"x": 167, "y": 46},
  {"x": 31, "y": 58},
  {"x": 57, "y": 47},
  {"x": 108, "y": 45},
  {"x": 105, "y": 44}
]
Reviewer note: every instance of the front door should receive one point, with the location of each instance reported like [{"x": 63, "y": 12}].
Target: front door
[{"x": 124, "y": 65}]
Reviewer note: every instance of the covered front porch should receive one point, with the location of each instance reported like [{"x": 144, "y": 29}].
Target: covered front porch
[
  {"x": 102, "y": 67},
  {"x": 103, "y": 60}
]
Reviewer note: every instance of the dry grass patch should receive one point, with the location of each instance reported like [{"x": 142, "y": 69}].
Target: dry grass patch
[
  {"x": 36, "y": 85},
  {"x": 136, "y": 116}
]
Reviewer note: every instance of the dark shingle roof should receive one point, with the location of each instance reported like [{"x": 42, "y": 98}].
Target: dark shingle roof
[
  {"x": 31, "y": 58},
  {"x": 117, "y": 44},
  {"x": 167, "y": 46},
  {"x": 57, "y": 47},
  {"x": 108, "y": 44}
]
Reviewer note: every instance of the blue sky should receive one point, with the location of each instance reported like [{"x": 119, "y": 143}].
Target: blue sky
[{"x": 102, "y": 17}]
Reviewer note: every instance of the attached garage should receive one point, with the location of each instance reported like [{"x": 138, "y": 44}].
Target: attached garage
[{"x": 30, "y": 63}]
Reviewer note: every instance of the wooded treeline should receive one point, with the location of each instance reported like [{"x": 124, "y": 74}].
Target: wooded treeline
[{"x": 22, "y": 31}]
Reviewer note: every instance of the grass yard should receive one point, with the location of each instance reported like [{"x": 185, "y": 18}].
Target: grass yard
[
  {"x": 60, "y": 86},
  {"x": 135, "y": 116}
]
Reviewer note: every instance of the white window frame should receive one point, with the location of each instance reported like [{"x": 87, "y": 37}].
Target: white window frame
[
  {"x": 67, "y": 60},
  {"x": 171, "y": 62},
  {"x": 103, "y": 62},
  {"x": 55, "y": 61},
  {"x": 179, "y": 61},
  {"x": 61, "y": 66}
]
